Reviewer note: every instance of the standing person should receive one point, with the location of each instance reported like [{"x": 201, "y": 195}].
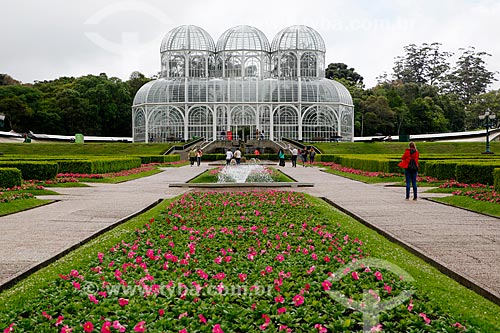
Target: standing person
[
  {"x": 256, "y": 153},
  {"x": 229, "y": 156},
  {"x": 312, "y": 154},
  {"x": 199, "y": 154},
  {"x": 262, "y": 135},
  {"x": 192, "y": 156},
  {"x": 295, "y": 154},
  {"x": 303, "y": 155},
  {"x": 409, "y": 162},
  {"x": 237, "y": 156},
  {"x": 281, "y": 156}
]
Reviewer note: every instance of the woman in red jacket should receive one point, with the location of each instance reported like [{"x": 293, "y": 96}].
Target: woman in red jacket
[{"x": 410, "y": 164}]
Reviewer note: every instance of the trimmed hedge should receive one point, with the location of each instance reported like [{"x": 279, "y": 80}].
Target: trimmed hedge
[
  {"x": 10, "y": 177},
  {"x": 146, "y": 159},
  {"x": 99, "y": 165},
  {"x": 472, "y": 173},
  {"x": 496, "y": 179},
  {"x": 33, "y": 169},
  {"x": 441, "y": 169}
]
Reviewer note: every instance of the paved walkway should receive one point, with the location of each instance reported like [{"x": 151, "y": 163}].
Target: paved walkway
[{"x": 464, "y": 244}]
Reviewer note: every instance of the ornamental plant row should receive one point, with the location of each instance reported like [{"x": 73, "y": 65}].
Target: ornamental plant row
[{"x": 231, "y": 262}]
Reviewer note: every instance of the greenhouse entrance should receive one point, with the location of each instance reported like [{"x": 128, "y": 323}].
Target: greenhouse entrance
[{"x": 244, "y": 132}]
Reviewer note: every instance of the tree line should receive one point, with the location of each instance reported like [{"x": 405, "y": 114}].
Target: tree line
[{"x": 425, "y": 93}]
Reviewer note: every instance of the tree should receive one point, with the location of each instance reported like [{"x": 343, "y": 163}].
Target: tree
[
  {"x": 17, "y": 113},
  {"x": 341, "y": 71},
  {"x": 470, "y": 77},
  {"x": 425, "y": 64},
  {"x": 379, "y": 117},
  {"x": 6, "y": 80},
  {"x": 135, "y": 82}
]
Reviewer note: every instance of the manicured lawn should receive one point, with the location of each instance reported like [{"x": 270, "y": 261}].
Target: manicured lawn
[
  {"x": 68, "y": 149},
  {"x": 211, "y": 176},
  {"x": 121, "y": 179},
  {"x": 20, "y": 205},
  {"x": 365, "y": 179},
  {"x": 239, "y": 262},
  {"x": 471, "y": 204}
]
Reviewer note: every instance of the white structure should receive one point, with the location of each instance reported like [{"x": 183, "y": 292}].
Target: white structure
[{"x": 242, "y": 85}]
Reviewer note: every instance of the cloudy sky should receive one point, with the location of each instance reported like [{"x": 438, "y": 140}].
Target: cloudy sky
[{"x": 43, "y": 40}]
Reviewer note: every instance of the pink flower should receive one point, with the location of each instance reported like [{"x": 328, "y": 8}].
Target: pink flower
[
  {"x": 76, "y": 285},
  {"x": 376, "y": 328},
  {"x": 9, "y": 329},
  {"x": 320, "y": 328},
  {"x": 279, "y": 299},
  {"x": 217, "y": 329},
  {"x": 161, "y": 312},
  {"x": 183, "y": 331},
  {"x": 280, "y": 258},
  {"x": 184, "y": 314},
  {"x": 410, "y": 306},
  {"x": 459, "y": 326},
  {"x": 118, "y": 326},
  {"x": 46, "y": 315},
  {"x": 59, "y": 320},
  {"x": 66, "y": 329},
  {"x": 242, "y": 277},
  {"x": 202, "y": 319},
  {"x": 387, "y": 288},
  {"x": 326, "y": 285},
  {"x": 281, "y": 310},
  {"x": 310, "y": 270},
  {"x": 298, "y": 300},
  {"x": 355, "y": 275},
  {"x": 88, "y": 327},
  {"x": 378, "y": 275},
  {"x": 122, "y": 301},
  {"x": 424, "y": 316},
  {"x": 106, "y": 327},
  {"x": 269, "y": 269},
  {"x": 93, "y": 299},
  {"x": 140, "y": 327},
  {"x": 267, "y": 321}
]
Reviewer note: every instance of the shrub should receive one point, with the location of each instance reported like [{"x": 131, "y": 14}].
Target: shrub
[
  {"x": 33, "y": 169},
  {"x": 475, "y": 173},
  {"x": 441, "y": 169},
  {"x": 496, "y": 179},
  {"x": 99, "y": 165},
  {"x": 10, "y": 177},
  {"x": 146, "y": 159}
]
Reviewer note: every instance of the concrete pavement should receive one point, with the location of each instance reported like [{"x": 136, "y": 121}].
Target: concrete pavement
[{"x": 463, "y": 244}]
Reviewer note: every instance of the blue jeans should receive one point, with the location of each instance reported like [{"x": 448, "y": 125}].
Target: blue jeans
[{"x": 411, "y": 179}]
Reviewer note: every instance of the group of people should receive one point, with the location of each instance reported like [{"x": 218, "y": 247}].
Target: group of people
[
  {"x": 236, "y": 155},
  {"x": 305, "y": 155},
  {"x": 195, "y": 155}
]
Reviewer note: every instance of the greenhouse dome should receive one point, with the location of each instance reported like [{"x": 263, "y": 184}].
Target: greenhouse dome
[{"x": 277, "y": 90}]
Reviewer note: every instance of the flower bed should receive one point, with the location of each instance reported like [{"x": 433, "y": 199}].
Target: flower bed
[{"x": 228, "y": 262}]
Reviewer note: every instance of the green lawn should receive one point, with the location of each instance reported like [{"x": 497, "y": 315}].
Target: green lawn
[
  {"x": 20, "y": 205},
  {"x": 365, "y": 179},
  {"x": 120, "y": 179},
  {"x": 451, "y": 148},
  {"x": 69, "y": 149},
  {"x": 471, "y": 204}
]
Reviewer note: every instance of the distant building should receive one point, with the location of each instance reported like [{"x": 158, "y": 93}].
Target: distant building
[{"x": 243, "y": 82}]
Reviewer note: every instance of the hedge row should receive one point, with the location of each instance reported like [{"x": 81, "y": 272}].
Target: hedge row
[
  {"x": 146, "y": 159},
  {"x": 496, "y": 177},
  {"x": 33, "y": 169},
  {"x": 102, "y": 165},
  {"x": 10, "y": 177}
]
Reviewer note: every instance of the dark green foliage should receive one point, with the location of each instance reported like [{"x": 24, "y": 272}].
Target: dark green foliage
[
  {"x": 441, "y": 169},
  {"x": 472, "y": 173},
  {"x": 10, "y": 177},
  {"x": 496, "y": 178},
  {"x": 99, "y": 165},
  {"x": 33, "y": 169},
  {"x": 146, "y": 159}
]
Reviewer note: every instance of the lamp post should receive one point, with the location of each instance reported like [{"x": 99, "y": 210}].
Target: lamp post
[{"x": 487, "y": 119}]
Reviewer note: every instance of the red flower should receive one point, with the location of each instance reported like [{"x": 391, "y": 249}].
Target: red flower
[
  {"x": 298, "y": 300},
  {"x": 217, "y": 329},
  {"x": 140, "y": 327},
  {"x": 88, "y": 327},
  {"x": 106, "y": 327},
  {"x": 355, "y": 275},
  {"x": 123, "y": 301}
]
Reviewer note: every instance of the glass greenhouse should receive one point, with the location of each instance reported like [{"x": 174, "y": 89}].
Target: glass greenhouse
[{"x": 242, "y": 86}]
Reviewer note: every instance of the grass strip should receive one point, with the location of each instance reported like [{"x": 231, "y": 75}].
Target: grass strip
[
  {"x": 16, "y": 206},
  {"x": 471, "y": 204}
]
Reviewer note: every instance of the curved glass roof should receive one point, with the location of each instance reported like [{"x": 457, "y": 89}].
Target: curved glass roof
[
  {"x": 298, "y": 37},
  {"x": 283, "y": 90},
  {"x": 187, "y": 37},
  {"x": 243, "y": 37}
]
